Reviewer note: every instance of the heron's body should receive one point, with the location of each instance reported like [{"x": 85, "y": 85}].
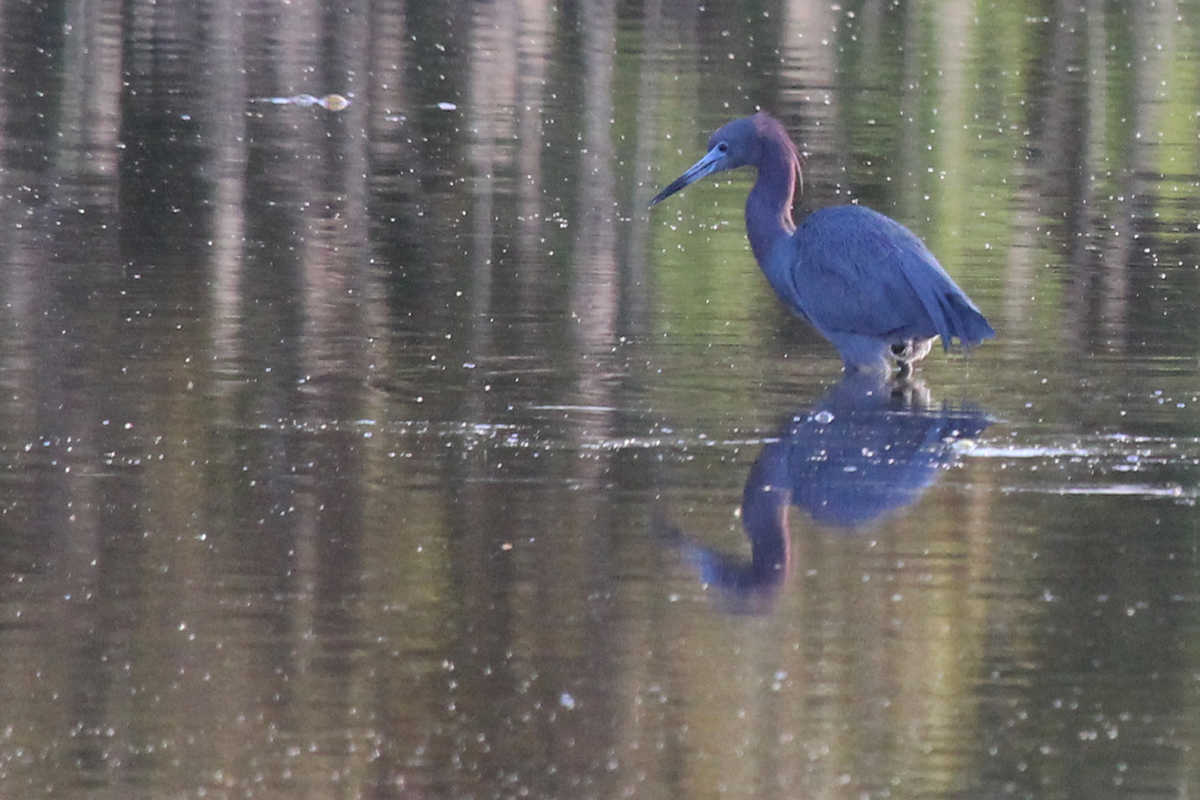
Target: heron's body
[{"x": 863, "y": 280}]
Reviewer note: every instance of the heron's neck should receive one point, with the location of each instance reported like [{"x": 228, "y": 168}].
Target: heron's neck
[
  {"x": 765, "y": 501},
  {"x": 769, "y": 206}
]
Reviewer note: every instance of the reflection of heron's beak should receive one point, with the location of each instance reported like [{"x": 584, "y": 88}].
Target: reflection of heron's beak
[{"x": 706, "y": 166}]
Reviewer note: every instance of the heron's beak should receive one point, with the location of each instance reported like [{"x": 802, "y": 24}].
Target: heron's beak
[{"x": 712, "y": 162}]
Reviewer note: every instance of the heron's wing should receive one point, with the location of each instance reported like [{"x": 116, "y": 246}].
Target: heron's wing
[{"x": 856, "y": 271}]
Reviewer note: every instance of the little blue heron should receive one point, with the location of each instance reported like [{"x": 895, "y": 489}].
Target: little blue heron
[{"x": 863, "y": 280}]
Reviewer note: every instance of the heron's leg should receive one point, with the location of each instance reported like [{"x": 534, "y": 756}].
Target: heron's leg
[
  {"x": 910, "y": 351},
  {"x": 861, "y": 353}
]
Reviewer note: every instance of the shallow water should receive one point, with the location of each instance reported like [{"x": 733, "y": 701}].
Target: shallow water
[{"x": 398, "y": 451}]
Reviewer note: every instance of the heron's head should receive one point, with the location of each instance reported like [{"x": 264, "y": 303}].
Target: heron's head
[{"x": 760, "y": 140}]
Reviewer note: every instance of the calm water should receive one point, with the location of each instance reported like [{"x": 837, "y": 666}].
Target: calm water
[{"x": 397, "y": 452}]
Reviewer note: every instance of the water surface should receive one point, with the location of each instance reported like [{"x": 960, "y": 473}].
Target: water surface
[{"x": 396, "y": 450}]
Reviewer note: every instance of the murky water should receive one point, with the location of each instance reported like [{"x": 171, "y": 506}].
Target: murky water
[{"x": 394, "y": 450}]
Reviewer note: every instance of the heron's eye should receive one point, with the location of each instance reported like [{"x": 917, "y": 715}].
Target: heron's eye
[{"x": 724, "y": 148}]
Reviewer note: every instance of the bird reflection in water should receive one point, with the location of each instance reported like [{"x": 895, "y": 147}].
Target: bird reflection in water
[{"x": 870, "y": 446}]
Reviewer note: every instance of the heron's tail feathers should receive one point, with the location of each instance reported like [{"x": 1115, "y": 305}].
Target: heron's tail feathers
[{"x": 963, "y": 321}]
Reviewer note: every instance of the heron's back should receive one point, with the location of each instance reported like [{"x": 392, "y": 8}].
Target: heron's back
[{"x": 851, "y": 270}]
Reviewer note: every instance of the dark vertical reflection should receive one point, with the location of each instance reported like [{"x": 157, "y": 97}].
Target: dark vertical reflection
[
  {"x": 1129, "y": 273},
  {"x": 596, "y": 290},
  {"x": 1101, "y": 202},
  {"x": 77, "y": 352},
  {"x": 324, "y": 453},
  {"x": 636, "y": 284},
  {"x": 1114, "y": 253},
  {"x": 27, "y": 540},
  {"x": 535, "y": 44},
  {"x": 1064, "y": 150},
  {"x": 494, "y": 27},
  {"x": 810, "y": 48},
  {"x": 596, "y": 287},
  {"x": 225, "y": 130},
  {"x": 912, "y": 79},
  {"x": 480, "y": 578}
]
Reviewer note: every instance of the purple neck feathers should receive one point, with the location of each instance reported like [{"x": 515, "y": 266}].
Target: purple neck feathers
[{"x": 769, "y": 206}]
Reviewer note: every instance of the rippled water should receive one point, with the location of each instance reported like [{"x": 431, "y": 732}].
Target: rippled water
[{"x": 396, "y": 450}]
